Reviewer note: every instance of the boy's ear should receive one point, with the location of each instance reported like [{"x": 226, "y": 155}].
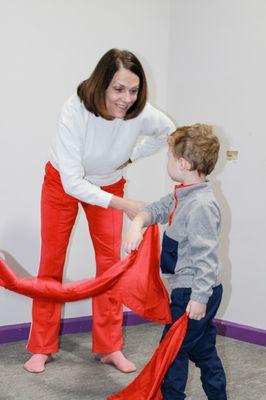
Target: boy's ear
[{"x": 185, "y": 165}]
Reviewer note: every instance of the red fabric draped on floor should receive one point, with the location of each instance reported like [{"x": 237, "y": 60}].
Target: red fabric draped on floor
[{"x": 135, "y": 282}]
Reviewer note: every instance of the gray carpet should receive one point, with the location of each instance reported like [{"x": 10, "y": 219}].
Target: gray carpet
[{"x": 77, "y": 375}]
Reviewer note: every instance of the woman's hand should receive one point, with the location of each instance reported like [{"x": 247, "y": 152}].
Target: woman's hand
[
  {"x": 133, "y": 207},
  {"x": 130, "y": 207},
  {"x": 196, "y": 310}
]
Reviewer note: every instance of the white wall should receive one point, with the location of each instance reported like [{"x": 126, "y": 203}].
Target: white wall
[
  {"x": 216, "y": 75},
  {"x": 212, "y": 69},
  {"x": 47, "y": 48}
]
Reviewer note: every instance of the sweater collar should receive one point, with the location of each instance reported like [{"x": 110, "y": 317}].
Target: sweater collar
[{"x": 183, "y": 190}]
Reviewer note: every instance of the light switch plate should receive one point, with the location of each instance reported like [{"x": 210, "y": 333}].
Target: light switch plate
[{"x": 232, "y": 155}]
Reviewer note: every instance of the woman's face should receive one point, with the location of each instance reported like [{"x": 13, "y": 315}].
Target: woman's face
[{"x": 121, "y": 93}]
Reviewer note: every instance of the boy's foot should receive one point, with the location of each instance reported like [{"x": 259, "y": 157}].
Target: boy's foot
[
  {"x": 36, "y": 363},
  {"x": 118, "y": 359}
]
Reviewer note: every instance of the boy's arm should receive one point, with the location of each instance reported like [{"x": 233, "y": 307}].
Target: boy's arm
[
  {"x": 134, "y": 234},
  {"x": 203, "y": 232},
  {"x": 157, "y": 212},
  {"x": 161, "y": 210}
]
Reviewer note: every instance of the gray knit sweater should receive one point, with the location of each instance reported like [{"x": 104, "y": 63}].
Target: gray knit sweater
[{"x": 189, "y": 257}]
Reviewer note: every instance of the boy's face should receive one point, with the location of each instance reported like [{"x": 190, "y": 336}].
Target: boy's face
[{"x": 174, "y": 167}]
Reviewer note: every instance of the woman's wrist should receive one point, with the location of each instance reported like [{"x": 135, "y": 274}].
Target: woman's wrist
[{"x": 117, "y": 202}]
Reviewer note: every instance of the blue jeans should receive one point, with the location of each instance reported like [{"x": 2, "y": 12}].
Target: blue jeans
[{"x": 199, "y": 347}]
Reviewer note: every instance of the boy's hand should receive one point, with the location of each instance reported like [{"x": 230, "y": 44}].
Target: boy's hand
[
  {"x": 134, "y": 234},
  {"x": 133, "y": 238},
  {"x": 196, "y": 310}
]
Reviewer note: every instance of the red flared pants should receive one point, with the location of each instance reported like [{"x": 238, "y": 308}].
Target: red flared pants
[{"x": 58, "y": 214}]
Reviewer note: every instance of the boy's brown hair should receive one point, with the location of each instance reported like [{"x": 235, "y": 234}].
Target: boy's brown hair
[
  {"x": 198, "y": 145},
  {"x": 92, "y": 91}
]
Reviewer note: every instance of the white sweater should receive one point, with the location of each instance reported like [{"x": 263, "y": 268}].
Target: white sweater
[{"x": 87, "y": 149}]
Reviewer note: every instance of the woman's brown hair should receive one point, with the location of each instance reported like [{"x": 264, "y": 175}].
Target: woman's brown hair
[{"x": 92, "y": 91}]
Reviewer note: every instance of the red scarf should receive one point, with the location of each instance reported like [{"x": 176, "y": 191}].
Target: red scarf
[
  {"x": 135, "y": 282},
  {"x": 147, "y": 385}
]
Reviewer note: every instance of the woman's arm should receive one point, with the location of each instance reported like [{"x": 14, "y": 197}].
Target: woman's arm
[{"x": 155, "y": 129}]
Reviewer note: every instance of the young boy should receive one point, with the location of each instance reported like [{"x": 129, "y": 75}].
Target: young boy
[{"x": 189, "y": 258}]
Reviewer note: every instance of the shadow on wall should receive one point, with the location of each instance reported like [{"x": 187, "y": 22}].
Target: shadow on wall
[
  {"x": 21, "y": 236},
  {"x": 226, "y": 220},
  {"x": 14, "y": 264},
  {"x": 27, "y": 244}
]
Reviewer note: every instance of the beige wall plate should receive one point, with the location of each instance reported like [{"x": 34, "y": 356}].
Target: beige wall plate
[{"x": 232, "y": 155}]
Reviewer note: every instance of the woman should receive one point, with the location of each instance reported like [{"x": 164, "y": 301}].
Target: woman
[{"x": 98, "y": 129}]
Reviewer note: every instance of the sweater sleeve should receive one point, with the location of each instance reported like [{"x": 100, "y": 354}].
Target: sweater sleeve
[
  {"x": 155, "y": 129},
  {"x": 69, "y": 145},
  {"x": 203, "y": 231},
  {"x": 160, "y": 210}
]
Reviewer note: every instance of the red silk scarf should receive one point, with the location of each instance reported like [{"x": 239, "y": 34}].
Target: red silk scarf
[
  {"x": 135, "y": 281},
  {"x": 147, "y": 385}
]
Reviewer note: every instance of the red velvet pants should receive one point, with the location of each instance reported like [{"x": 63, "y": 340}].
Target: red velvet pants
[{"x": 58, "y": 214}]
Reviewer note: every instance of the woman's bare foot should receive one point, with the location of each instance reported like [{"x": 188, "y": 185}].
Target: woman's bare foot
[
  {"x": 118, "y": 359},
  {"x": 36, "y": 363}
]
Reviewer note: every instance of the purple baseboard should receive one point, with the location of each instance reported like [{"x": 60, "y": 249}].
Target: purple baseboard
[
  {"x": 244, "y": 333},
  {"x": 84, "y": 324},
  {"x": 15, "y": 333}
]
